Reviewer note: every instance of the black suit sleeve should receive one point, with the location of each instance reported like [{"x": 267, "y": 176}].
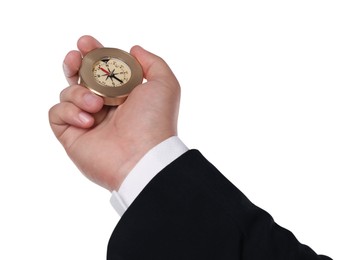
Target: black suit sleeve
[{"x": 191, "y": 211}]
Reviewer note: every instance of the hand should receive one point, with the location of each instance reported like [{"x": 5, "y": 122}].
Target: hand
[{"x": 104, "y": 142}]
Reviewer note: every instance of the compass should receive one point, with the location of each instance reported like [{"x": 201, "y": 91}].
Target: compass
[{"x": 110, "y": 73}]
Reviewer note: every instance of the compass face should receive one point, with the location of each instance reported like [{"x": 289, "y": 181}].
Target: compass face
[{"x": 111, "y": 72}]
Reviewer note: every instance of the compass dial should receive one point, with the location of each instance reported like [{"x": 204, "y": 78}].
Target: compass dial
[{"x": 111, "y": 72}]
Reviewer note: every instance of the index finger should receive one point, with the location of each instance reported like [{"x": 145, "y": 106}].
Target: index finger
[
  {"x": 73, "y": 59},
  {"x": 87, "y": 43}
]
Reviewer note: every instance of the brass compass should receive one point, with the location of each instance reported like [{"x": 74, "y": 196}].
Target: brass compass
[{"x": 110, "y": 73}]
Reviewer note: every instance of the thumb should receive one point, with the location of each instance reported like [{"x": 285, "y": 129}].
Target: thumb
[{"x": 154, "y": 67}]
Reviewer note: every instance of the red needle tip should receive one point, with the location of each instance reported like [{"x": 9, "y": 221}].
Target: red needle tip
[{"x": 105, "y": 71}]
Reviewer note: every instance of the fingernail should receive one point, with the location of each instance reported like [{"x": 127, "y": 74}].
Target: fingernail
[
  {"x": 84, "y": 117},
  {"x": 66, "y": 70}
]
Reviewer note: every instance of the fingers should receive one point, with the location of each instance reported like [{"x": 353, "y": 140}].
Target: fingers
[
  {"x": 63, "y": 115},
  {"x": 87, "y": 43},
  {"x": 71, "y": 66},
  {"x": 73, "y": 59},
  {"x": 154, "y": 67},
  {"x": 77, "y": 108},
  {"x": 82, "y": 98}
]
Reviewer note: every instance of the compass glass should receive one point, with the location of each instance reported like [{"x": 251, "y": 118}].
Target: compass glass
[{"x": 111, "y": 72}]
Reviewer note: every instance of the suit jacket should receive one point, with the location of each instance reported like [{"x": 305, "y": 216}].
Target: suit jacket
[{"x": 191, "y": 211}]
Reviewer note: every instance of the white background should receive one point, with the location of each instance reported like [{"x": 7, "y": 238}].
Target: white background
[{"x": 269, "y": 96}]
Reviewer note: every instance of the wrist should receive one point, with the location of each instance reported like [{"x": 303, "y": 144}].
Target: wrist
[
  {"x": 147, "y": 168},
  {"x": 130, "y": 154}
]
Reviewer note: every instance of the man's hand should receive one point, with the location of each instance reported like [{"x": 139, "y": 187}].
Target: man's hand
[{"x": 104, "y": 142}]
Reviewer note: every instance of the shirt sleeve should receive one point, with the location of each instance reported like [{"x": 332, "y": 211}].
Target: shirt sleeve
[{"x": 152, "y": 163}]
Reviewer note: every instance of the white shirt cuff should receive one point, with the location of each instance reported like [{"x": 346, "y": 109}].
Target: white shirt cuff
[{"x": 146, "y": 169}]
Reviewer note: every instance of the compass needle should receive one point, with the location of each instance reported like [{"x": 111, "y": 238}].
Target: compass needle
[
  {"x": 121, "y": 81},
  {"x": 105, "y": 71}
]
